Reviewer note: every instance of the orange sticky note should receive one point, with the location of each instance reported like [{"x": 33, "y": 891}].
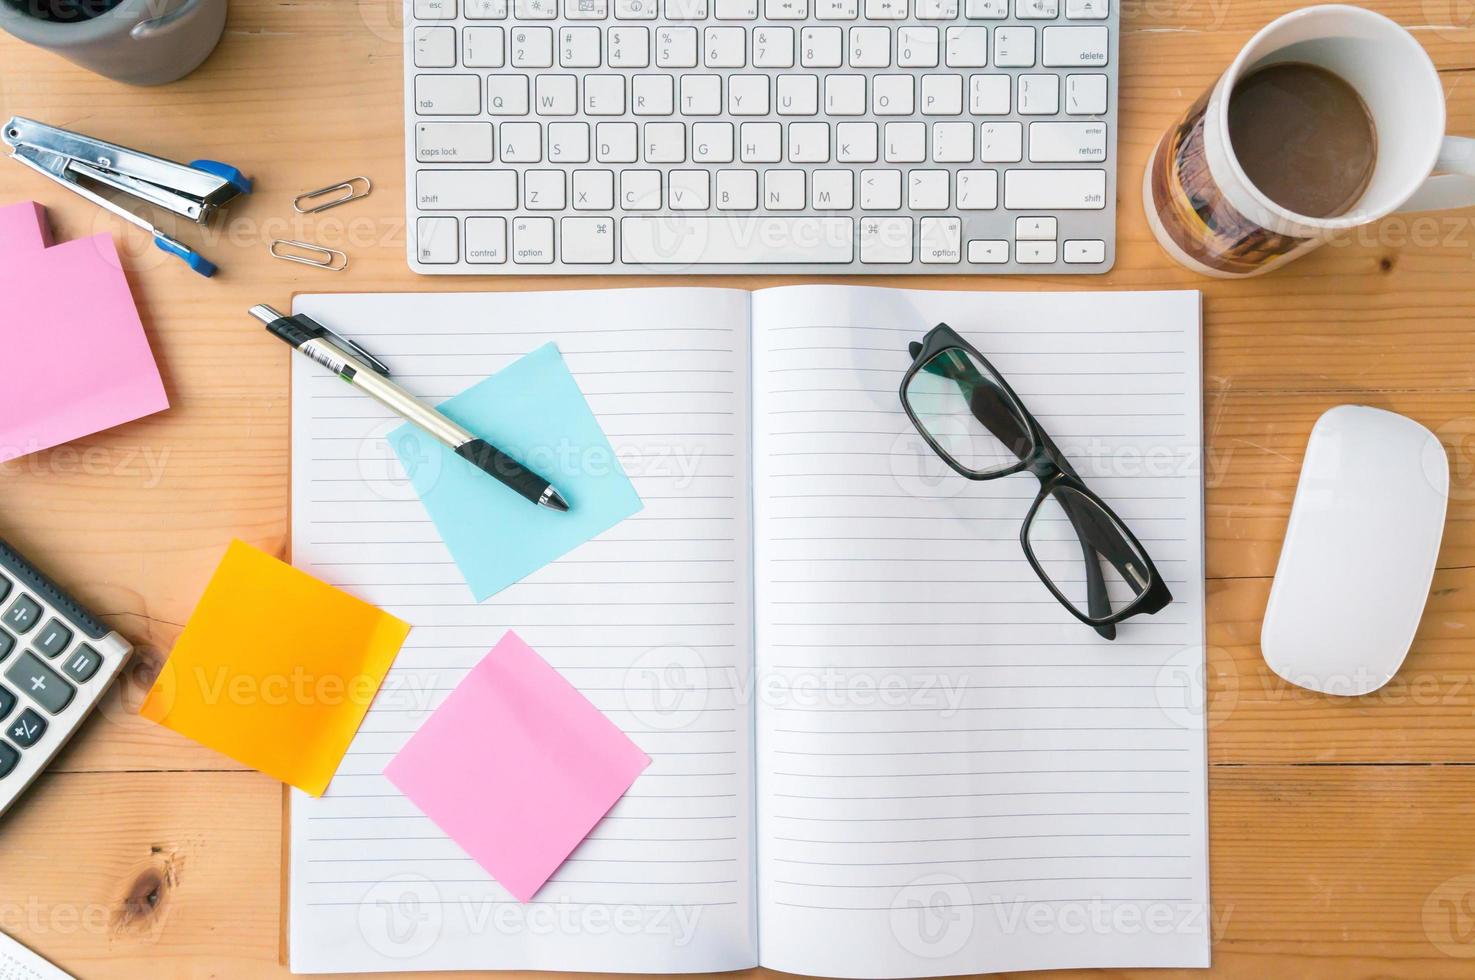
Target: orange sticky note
[{"x": 275, "y": 669}]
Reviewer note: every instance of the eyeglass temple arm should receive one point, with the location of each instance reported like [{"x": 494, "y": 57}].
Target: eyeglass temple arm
[{"x": 1098, "y": 540}]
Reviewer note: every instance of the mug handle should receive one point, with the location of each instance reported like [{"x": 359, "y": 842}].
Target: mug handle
[
  {"x": 146, "y": 29},
  {"x": 1455, "y": 186}
]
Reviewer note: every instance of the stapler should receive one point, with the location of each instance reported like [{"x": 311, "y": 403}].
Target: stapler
[{"x": 89, "y": 166}]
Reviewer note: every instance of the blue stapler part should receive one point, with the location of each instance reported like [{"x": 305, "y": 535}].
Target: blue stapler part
[
  {"x": 192, "y": 258},
  {"x": 226, "y": 172},
  {"x": 101, "y": 171}
]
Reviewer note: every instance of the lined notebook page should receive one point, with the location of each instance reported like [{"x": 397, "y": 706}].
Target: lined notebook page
[
  {"x": 651, "y": 620},
  {"x": 955, "y": 775}
]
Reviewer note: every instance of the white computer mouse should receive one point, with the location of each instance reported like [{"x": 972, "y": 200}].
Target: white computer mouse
[{"x": 1359, "y": 552}]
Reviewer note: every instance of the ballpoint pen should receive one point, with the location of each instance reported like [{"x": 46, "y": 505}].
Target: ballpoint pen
[{"x": 368, "y": 374}]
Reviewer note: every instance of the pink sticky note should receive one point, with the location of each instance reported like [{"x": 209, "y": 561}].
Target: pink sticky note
[
  {"x": 516, "y": 766},
  {"x": 77, "y": 358}
]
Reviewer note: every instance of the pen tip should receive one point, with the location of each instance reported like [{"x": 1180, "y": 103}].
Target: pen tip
[{"x": 553, "y": 500}]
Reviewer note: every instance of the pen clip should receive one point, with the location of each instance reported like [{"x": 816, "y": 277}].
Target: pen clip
[{"x": 350, "y": 346}]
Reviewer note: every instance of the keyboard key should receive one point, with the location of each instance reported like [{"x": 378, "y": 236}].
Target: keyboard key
[
  {"x": 783, "y": 190},
  {"x": 448, "y": 95},
  {"x": 7, "y": 644},
  {"x": 967, "y": 47},
  {"x": 712, "y": 142},
  {"x": 22, "y": 615},
  {"x": 870, "y": 47},
  {"x": 857, "y": 142},
  {"x": 589, "y": 241},
  {"x": 507, "y": 95},
  {"x": 942, "y": 95},
  {"x": 988, "y": 251},
  {"x": 978, "y": 190},
  {"x": 483, "y": 47},
  {"x": 435, "y": 47},
  {"x": 535, "y": 9},
  {"x": 1074, "y": 47},
  {"x": 435, "y": 9},
  {"x": 988, "y": 95},
  {"x": 985, "y": 9},
  {"x": 845, "y": 95},
  {"x": 468, "y": 142},
  {"x": 9, "y": 759},
  {"x": 886, "y": 9},
  {"x": 437, "y": 241},
  {"x": 635, "y": 9},
  {"x": 1085, "y": 251},
  {"x": 543, "y": 190},
  {"x": 629, "y": 47},
  {"x": 604, "y": 95},
  {"x": 773, "y": 47},
  {"x": 594, "y": 190},
  {"x": 885, "y": 239},
  {"x": 40, "y": 683},
  {"x": 82, "y": 663},
  {"x": 568, "y": 142},
  {"x": 27, "y": 728},
  {"x": 640, "y": 190},
  {"x": 1055, "y": 190},
  {"x": 892, "y": 95},
  {"x": 761, "y": 142},
  {"x": 906, "y": 142},
  {"x": 532, "y": 47},
  {"x": 737, "y": 190},
  {"x": 821, "y": 47},
  {"x": 737, "y": 9},
  {"x": 1039, "y": 95},
  {"x": 486, "y": 241},
  {"x": 687, "y": 190},
  {"x": 52, "y": 639},
  {"x": 917, "y": 47},
  {"x": 7, "y": 702},
  {"x": 880, "y": 190},
  {"x": 579, "y": 47},
  {"x": 1087, "y": 9},
  {"x": 1001, "y": 142},
  {"x": 686, "y": 9},
  {"x": 1035, "y": 229},
  {"x": 557, "y": 95},
  {"x": 522, "y": 142},
  {"x": 927, "y": 190},
  {"x": 953, "y": 142},
  {"x": 725, "y": 47},
  {"x": 585, "y": 9},
  {"x": 937, "y": 9},
  {"x": 616, "y": 142},
  {"x": 701, "y": 95},
  {"x": 833, "y": 190},
  {"x": 466, "y": 190},
  {"x": 941, "y": 241},
  {"x": 733, "y": 240},
  {"x": 652, "y": 95},
  {"x": 676, "y": 47},
  {"x": 486, "y": 9},
  {"x": 1036, "y": 9},
  {"x": 1014, "y": 47},
  {"x": 1034, "y": 253},
  {"x": 798, "y": 95},
  {"x": 836, "y": 9},
  {"x": 1085, "y": 95},
  {"x": 532, "y": 241},
  {"x": 1067, "y": 142}
]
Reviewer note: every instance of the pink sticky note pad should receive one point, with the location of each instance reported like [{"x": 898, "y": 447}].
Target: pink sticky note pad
[
  {"x": 78, "y": 359},
  {"x": 516, "y": 766}
]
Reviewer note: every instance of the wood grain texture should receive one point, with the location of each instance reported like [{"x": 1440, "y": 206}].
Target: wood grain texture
[{"x": 1335, "y": 823}]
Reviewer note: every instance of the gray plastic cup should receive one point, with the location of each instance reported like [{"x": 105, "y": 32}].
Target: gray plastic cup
[{"x": 140, "y": 42}]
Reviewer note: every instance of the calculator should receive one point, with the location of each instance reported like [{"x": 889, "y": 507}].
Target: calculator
[{"x": 56, "y": 662}]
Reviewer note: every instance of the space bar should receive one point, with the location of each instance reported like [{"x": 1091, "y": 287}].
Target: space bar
[{"x": 682, "y": 240}]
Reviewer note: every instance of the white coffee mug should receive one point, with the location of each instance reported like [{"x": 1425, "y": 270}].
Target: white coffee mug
[{"x": 1207, "y": 214}]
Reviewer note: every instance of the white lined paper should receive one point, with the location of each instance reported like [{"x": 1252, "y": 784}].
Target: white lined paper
[
  {"x": 1022, "y": 772},
  {"x": 1050, "y": 771},
  {"x": 665, "y": 882}
]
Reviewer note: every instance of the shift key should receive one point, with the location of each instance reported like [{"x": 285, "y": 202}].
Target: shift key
[
  {"x": 467, "y": 142},
  {"x": 40, "y": 683},
  {"x": 1055, "y": 190},
  {"x": 466, "y": 190}
]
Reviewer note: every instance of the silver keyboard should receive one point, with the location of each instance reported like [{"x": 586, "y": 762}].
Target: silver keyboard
[{"x": 789, "y": 136}]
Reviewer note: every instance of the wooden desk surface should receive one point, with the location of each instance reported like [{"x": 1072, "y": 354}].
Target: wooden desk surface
[{"x": 1343, "y": 831}]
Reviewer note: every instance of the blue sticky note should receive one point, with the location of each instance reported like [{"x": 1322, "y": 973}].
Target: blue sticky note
[{"x": 534, "y": 411}]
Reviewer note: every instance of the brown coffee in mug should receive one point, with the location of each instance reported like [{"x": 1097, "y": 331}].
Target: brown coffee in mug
[{"x": 1304, "y": 137}]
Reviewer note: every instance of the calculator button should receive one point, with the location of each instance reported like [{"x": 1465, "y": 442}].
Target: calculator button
[
  {"x": 7, "y": 644},
  {"x": 9, "y": 757},
  {"x": 4, "y": 587},
  {"x": 27, "y": 730},
  {"x": 7, "y": 702},
  {"x": 22, "y": 614},
  {"x": 82, "y": 663},
  {"x": 53, "y": 639},
  {"x": 40, "y": 683}
]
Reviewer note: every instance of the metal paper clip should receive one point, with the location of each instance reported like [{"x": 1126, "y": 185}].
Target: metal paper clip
[
  {"x": 351, "y": 189},
  {"x": 99, "y": 171},
  {"x": 314, "y": 255}
]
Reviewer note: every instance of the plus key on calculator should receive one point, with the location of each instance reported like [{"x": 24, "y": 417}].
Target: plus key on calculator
[{"x": 56, "y": 662}]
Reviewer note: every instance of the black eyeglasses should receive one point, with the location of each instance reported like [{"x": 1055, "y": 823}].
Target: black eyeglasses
[{"x": 1077, "y": 546}]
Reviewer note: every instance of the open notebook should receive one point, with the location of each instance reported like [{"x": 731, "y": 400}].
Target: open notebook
[{"x": 880, "y": 748}]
